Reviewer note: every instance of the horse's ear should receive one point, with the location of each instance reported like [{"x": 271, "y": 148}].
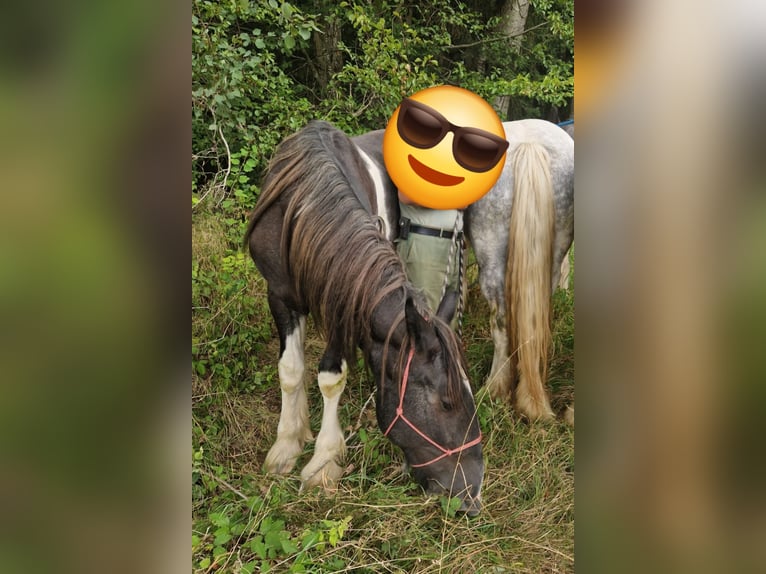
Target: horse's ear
[
  {"x": 419, "y": 329},
  {"x": 447, "y": 306}
]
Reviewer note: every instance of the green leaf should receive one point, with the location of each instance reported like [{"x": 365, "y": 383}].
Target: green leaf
[
  {"x": 289, "y": 42},
  {"x": 288, "y": 547},
  {"x": 309, "y": 539},
  {"x": 222, "y": 536},
  {"x": 273, "y": 539},
  {"x": 450, "y": 505},
  {"x": 258, "y": 547},
  {"x": 255, "y": 503}
]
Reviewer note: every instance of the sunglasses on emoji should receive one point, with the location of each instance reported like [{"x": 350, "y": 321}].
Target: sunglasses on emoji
[{"x": 423, "y": 127}]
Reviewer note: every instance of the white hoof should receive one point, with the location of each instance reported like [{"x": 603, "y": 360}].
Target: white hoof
[
  {"x": 569, "y": 415},
  {"x": 325, "y": 474},
  {"x": 282, "y": 456},
  {"x": 534, "y": 410}
]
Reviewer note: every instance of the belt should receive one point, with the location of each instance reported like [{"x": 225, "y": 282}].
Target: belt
[{"x": 406, "y": 227}]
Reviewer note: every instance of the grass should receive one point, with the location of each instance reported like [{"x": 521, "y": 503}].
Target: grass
[{"x": 378, "y": 520}]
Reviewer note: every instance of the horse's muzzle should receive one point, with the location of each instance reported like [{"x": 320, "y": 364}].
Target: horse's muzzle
[{"x": 471, "y": 506}]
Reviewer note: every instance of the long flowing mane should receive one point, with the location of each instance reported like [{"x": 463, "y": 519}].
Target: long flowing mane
[{"x": 340, "y": 264}]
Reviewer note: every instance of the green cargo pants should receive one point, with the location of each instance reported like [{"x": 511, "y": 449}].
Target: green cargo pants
[{"x": 427, "y": 258}]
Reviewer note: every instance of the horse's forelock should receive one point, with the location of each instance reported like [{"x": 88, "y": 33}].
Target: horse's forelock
[{"x": 451, "y": 351}]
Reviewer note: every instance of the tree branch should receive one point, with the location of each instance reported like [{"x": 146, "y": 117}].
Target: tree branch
[
  {"x": 223, "y": 483},
  {"x": 494, "y": 38}
]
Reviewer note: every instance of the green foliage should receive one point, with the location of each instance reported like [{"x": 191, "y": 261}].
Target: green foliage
[
  {"x": 393, "y": 51},
  {"x": 254, "y": 529},
  {"x": 241, "y": 94},
  {"x": 256, "y": 70},
  {"x": 227, "y": 295}
]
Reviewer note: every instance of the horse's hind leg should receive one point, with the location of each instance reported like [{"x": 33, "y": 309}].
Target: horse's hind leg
[
  {"x": 325, "y": 467},
  {"x": 499, "y": 380},
  {"x": 293, "y": 430}
]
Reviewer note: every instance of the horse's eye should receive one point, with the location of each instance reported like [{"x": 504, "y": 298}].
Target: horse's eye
[{"x": 446, "y": 405}]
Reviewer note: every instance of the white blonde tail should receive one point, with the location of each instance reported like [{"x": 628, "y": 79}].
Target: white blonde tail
[{"x": 528, "y": 279}]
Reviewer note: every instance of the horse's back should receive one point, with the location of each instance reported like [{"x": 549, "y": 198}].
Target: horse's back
[
  {"x": 487, "y": 220},
  {"x": 558, "y": 144},
  {"x": 485, "y": 217}
]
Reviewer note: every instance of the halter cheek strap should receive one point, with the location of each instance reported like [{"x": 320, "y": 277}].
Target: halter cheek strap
[{"x": 400, "y": 416}]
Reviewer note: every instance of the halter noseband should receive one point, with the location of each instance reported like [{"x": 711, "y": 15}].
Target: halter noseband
[{"x": 400, "y": 415}]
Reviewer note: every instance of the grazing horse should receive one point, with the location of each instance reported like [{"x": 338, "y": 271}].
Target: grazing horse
[
  {"x": 320, "y": 235},
  {"x": 520, "y": 232}
]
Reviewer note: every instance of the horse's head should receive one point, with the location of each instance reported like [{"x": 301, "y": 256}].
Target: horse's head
[{"x": 425, "y": 406}]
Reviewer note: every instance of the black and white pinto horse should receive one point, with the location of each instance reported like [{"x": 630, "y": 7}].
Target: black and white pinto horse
[
  {"x": 520, "y": 231},
  {"x": 321, "y": 235}
]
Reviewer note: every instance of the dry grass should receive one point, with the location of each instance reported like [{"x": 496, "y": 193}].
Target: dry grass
[
  {"x": 208, "y": 238},
  {"x": 527, "y": 522}
]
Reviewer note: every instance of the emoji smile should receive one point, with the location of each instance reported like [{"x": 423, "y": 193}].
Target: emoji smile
[{"x": 433, "y": 176}]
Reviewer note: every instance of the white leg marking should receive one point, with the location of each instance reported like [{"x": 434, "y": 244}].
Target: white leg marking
[
  {"x": 324, "y": 468},
  {"x": 380, "y": 193},
  {"x": 293, "y": 430}
]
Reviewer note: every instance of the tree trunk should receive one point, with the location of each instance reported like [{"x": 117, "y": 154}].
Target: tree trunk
[
  {"x": 328, "y": 59},
  {"x": 513, "y": 18}
]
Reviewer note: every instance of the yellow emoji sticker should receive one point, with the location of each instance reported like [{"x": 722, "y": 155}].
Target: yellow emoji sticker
[{"x": 444, "y": 147}]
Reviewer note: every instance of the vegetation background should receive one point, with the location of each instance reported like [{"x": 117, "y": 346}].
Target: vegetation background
[{"x": 262, "y": 70}]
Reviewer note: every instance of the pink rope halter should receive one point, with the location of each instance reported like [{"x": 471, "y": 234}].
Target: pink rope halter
[{"x": 400, "y": 415}]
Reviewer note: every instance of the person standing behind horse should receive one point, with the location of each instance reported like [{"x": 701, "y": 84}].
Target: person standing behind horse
[
  {"x": 430, "y": 244},
  {"x": 442, "y": 148}
]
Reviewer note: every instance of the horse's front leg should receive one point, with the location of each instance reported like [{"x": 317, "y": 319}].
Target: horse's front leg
[
  {"x": 293, "y": 430},
  {"x": 326, "y": 466}
]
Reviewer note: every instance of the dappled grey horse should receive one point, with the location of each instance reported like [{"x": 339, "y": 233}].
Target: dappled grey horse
[{"x": 521, "y": 231}]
